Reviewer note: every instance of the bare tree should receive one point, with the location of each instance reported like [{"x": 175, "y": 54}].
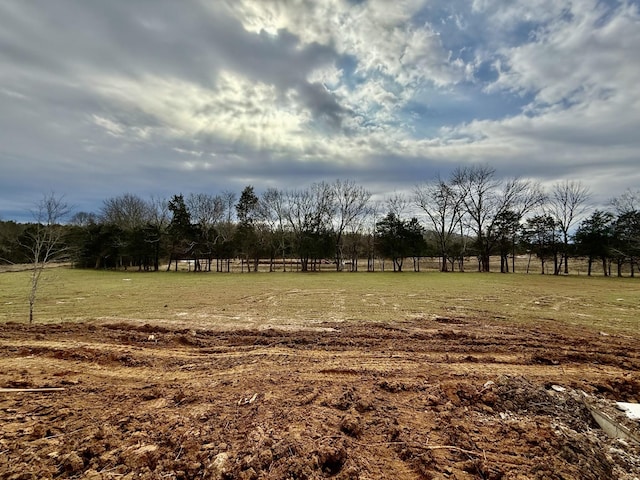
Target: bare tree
[
  {"x": 207, "y": 212},
  {"x": 370, "y": 221},
  {"x": 272, "y": 212},
  {"x": 128, "y": 211},
  {"x": 628, "y": 202},
  {"x": 478, "y": 186},
  {"x": 487, "y": 200},
  {"x": 83, "y": 219},
  {"x": 351, "y": 206},
  {"x": 568, "y": 203},
  {"x": 229, "y": 199},
  {"x": 525, "y": 197},
  {"x": 44, "y": 242},
  {"x": 131, "y": 215},
  {"x": 158, "y": 225},
  {"x": 442, "y": 202},
  {"x": 397, "y": 204},
  {"x": 310, "y": 214}
]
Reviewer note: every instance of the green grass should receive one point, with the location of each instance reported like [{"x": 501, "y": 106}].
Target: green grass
[{"x": 254, "y": 300}]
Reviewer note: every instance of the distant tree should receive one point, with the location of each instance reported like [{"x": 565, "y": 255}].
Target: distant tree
[
  {"x": 416, "y": 243},
  {"x": 568, "y": 203},
  {"x": 127, "y": 211},
  {"x": 479, "y": 187},
  {"x": 397, "y": 239},
  {"x": 506, "y": 228},
  {"x": 98, "y": 245},
  {"x": 629, "y": 201},
  {"x": 225, "y": 232},
  {"x": 369, "y": 239},
  {"x": 351, "y": 206},
  {"x": 130, "y": 215},
  {"x": 486, "y": 199},
  {"x": 10, "y": 249},
  {"x": 541, "y": 237},
  {"x": 207, "y": 212},
  {"x": 83, "y": 219},
  {"x": 625, "y": 241},
  {"x": 156, "y": 229},
  {"x": 356, "y": 246},
  {"x": 272, "y": 212},
  {"x": 180, "y": 230},
  {"x": 247, "y": 239},
  {"x": 397, "y": 203},
  {"x": 442, "y": 202},
  {"x": 309, "y": 215},
  {"x": 247, "y": 206},
  {"x": 594, "y": 237},
  {"x": 44, "y": 240},
  {"x": 626, "y": 229}
]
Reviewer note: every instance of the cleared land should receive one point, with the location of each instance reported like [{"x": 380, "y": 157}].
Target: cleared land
[{"x": 350, "y": 376}]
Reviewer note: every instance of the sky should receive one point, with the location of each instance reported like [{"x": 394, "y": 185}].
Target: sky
[{"x": 159, "y": 97}]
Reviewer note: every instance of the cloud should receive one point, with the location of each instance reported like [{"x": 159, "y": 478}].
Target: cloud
[
  {"x": 577, "y": 57},
  {"x": 103, "y": 97}
]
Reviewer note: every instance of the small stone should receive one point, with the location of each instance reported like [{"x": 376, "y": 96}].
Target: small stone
[
  {"x": 220, "y": 466},
  {"x": 73, "y": 463},
  {"x": 351, "y": 426},
  {"x": 141, "y": 457}
]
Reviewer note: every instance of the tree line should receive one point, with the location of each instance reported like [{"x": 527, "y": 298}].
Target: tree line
[{"x": 470, "y": 216}]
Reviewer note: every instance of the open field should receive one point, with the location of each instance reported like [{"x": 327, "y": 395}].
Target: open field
[
  {"x": 210, "y": 300},
  {"x": 309, "y": 376}
]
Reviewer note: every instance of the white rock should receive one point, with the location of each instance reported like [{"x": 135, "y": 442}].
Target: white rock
[{"x": 631, "y": 409}]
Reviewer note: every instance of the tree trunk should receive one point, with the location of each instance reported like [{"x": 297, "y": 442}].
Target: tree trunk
[
  {"x": 619, "y": 266},
  {"x": 504, "y": 262},
  {"x": 486, "y": 258}
]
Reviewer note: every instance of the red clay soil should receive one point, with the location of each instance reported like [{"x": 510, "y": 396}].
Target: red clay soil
[{"x": 438, "y": 398}]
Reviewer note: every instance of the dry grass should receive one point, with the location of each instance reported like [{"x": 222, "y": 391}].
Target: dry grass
[{"x": 296, "y": 300}]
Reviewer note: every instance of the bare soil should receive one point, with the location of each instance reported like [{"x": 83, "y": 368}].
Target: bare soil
[{"x": 432, "y": 398}]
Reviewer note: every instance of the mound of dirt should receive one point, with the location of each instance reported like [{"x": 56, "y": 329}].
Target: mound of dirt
[{"x": 423, "y": 399}]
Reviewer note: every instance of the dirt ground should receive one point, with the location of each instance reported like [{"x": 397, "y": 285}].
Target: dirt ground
[{"x": 432, "y": 398}]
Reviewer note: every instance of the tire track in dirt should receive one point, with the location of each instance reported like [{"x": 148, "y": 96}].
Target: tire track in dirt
[{"x": 426, "y": 398}]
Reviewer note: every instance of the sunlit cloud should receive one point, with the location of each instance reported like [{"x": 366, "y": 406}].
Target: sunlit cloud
[{"x": 100, "y": 98}]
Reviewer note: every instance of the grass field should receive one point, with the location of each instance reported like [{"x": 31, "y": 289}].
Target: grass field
[
  {"x": 365, "y": 375},
  {"x": 296, "y": 299}
]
